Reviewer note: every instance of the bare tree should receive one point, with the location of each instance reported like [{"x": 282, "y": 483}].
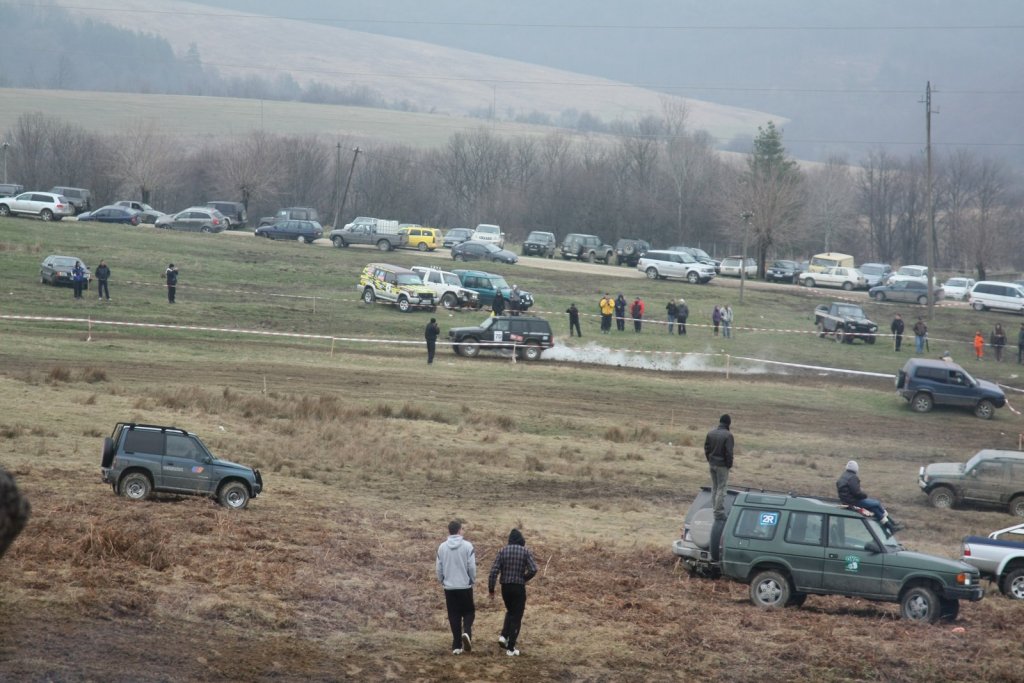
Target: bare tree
[
  {"x": 956, "y": 197},
  {"x": 878, "y": 192},
  {"x": 987, "y": 229},
  {"x": 830, "y": 202},
  {"x": 143, "y": 158},
  {"x": 249, "y": 169}
]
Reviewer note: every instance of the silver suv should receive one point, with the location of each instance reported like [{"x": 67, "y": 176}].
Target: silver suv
[
  {"x": 659, "y": 265},
  {"x": 46, "y": 205},
  {"x": 196, "y": 219}
]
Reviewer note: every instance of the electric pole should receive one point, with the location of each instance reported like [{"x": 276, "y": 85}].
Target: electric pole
[
  {"x": 336, "y": 185},
  {"x": 931, "y": 203},
  {"x": 746, "y": 216},
  {"x": 348, "y": 183}
]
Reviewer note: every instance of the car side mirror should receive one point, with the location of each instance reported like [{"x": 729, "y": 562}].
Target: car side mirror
[{"x": 873, "y": 547}]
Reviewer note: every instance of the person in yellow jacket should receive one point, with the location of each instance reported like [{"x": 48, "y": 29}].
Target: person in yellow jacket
[{"x": 607, "y": 305}]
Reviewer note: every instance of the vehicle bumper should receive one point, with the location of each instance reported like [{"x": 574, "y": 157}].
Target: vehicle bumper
[
  {"x": 972, "y": 593},
  {"x": 257, "y": 487}
]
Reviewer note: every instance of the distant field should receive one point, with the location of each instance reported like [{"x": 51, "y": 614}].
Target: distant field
[{"x": 222, "y": 116}]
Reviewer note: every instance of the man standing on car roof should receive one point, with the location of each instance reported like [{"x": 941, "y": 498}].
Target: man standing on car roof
[{"x": 718, "y": 449}]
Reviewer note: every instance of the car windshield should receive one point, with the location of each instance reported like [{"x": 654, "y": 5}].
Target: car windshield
[
  {"x": 498, "y": 282},
  {"x": 699, "y": 253},
  {"x": 491, "y": 247},
  {"x": 850, "y": 310},
  {"x": 486, "y": 325},
  {"x": 889, "y": 543},
  {"x": 956, "y": 282},
  {"x": 912, "y": 271},
  {"x": 488, "y": 229},
  {"x": 972, "y": 463},
  {"x": 536, "y": 237},
  {"x": 872, "y": 270},
  {"x": 686, "y": 258},
  {"x": 409, "y": 279},
  {"x": 65, "y": 262},
  {"x": 451, "y": 279},
  {"x": 785, "y": 264}
]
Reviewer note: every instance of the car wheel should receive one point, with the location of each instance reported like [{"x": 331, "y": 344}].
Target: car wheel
[
  {"x": 922, "y": 300},
  {"x": 470, "y": 347},
  {"x": 384, "y": 245},
  {"x": 1017, "y": 506},
  {"x": 693, "y": 277},
  {"x": 821, "y": 330},
  {"x": 871, "y": 340},
  {"x": 809, "y": 282},
  {"x": 301, "y": 239},
  {"x": 233, "y": 495},
  {"x": 921, "y": 402},
  {"x": 770, "y": 590},
  {"x": 978, "y": 306},
  {"x": 840, "y": 335},
  {"x": 591, "y": 257},
  {"x": 847, "y": 286},
  {"x": 338, "y": 241},
  {"x": 949, "y": 610},
  {"x": 205, "y": 228},
  {"x": 459, "y": 257},
  {"x": 920, "y": 603},
  {"x": 46, "y": 215},
  {"x": 368, "y": 295},
  {"x": 942, "y": 498},
  {"x": 403, "y": 304},
  {"x": 5, "y": 210},
  {"x": 449, "y": 301},
  {"x": 532, "y": 351},
  {"x": 1012, "y": 584},
  {"x": 136, "y": 486},
  {"x": 652, "y": 273},
  {"x": 879, "y": 296},
  {"x": 985, "y": 409},
  {"x": 422, "y": 246}
]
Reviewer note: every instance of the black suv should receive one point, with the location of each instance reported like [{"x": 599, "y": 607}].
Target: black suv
[
  {"x": 628, "y": 251},
  {"x": 927, "y": 383},
  {"x": 586, "y": 248},
  {"x": 233, "y": 211},
  {"x": 525, "y": 335},
  {"x": 139, "y": 459},
  {"x": 540, "y": 243}
]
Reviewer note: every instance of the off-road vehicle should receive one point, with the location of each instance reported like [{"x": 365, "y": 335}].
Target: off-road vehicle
[
  {"x": 845, "y": 322},
  {"x": 926, "y": 383},
  {"x": 992, "y": 477},
  {"x": 396, "y": 285},
  {"x": 539, "y": 243},
  {"x": 525, "y": 335},
  {"x": 586, "y": 248},
  {"x": 628, "y": 251},
  {"x": 140, "y": 459}
]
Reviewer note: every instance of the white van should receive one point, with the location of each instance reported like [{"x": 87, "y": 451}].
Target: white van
[
  {"x": 830, "y": 259},
  {"x": 1002, "y": 295}
]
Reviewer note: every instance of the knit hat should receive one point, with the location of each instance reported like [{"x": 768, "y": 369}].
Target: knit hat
[
  {"x": 515, "y": 537},
  {"x": 853, "y": 466},
  {"x": 726, "y": 420}
]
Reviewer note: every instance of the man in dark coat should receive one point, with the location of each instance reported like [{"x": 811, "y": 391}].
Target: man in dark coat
[
  {"x": 850, "y": 493},
  {"x": 78, "y": 278},
  {"x": 498, "y": 305},
  {"x": 671, "y": 312},
  {"x": 430, "y": 334},
  {"x": 515, "y": 564},
  {"x": 102, "y": 276},
  {"x": 574, "y": 320},
  {"x": 171, "y": 276},
  {"x": 897, "y": 328},
  {"x": 718, "y": 449}
]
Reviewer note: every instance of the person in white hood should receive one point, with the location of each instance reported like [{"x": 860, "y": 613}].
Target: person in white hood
[{"x": 456, "y": 570}]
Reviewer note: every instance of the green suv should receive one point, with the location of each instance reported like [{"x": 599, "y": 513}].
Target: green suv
[{"x": 787, "y": 547}]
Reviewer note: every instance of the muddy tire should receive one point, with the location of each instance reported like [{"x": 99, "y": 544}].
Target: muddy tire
[
  {"x": 470, "y": 347},
  {"x": 985, "y": 409},
  {"x": 368, "y": 295},
  {"x": 449, "y": 301},
  {"x": 1016, "y": 506},
  {"x": 921, "y": 402},
  {"x": 532, "y": 351},
  {"x": 770, "y": 590},
  {"x": 136, "y": 486},
  {"x": 1012, "y": 584},
  {"x": 942, "y": 498},
  {"x": 338, "y": 241},
  {"x": 233, "y": 495},
  {"x": 920, "y": 604}
]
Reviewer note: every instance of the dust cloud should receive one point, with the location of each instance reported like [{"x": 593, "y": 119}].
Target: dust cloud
[{"x": 696, "y": 361}]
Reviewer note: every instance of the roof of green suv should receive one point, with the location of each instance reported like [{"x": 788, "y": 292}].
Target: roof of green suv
[{"x": 792, "y": 502}]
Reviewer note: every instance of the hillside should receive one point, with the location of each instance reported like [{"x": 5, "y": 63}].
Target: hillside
[{"x": 432, "y": 78}]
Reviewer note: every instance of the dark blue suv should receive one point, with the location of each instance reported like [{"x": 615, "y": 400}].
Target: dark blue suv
[{"x": 927, "y": 383}]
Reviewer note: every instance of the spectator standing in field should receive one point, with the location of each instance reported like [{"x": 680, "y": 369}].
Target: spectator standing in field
[
  {"x": 515, "y": 565},
  {"x": 498, "y": 304},
  {"x": 456, "y": 570},
  {"x": 998, "y": 341},
  {"x": 431, "y": 333},
  {"x": 514, "y": 300},
  {"x": 637, "y": 311},
  {"x": 682, "y": 313},
  {"x": 920, "y": 335},
  {"x": 78, "y": 278},
  {"x": 574, "y": 320},
  {"x": 727, "y": 321},
  {"x": 718, "y": 449},
  {"x": 102, "y": 276},
  {"x": 897, "y": 328},
  {"x": 671, "y": 313},
  {"x": 607, "y": 306},
  {"x": 171, "y": 277},
  {"x": 620, "y": 313},
  {"x": 1020, "y": 345},
  {"x": 716, "y": 319},
  {"x": 979, "y": 345}
]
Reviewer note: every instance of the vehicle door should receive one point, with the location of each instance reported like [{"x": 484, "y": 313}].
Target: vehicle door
[
  {"x": 805, "y": 547},
  {"x": 291, "y": 230},
  {"x": 957, "y": 389},
  {"x": 185, "y": 465},
  {"x": 986, "y": 481},
  {"x": 500, "y": 332},
  {"x": 849, "y": 568},
  {"x": 29, "y": 202},
  {"x": 183, "y": 220},
  {"x": 105, "y": 216}
]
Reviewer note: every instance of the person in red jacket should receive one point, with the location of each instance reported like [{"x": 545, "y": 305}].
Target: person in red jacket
[{"x": 637, "y": 312}]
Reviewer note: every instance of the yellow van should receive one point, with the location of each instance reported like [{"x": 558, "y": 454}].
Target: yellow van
[{"x": 830, "y": 259}]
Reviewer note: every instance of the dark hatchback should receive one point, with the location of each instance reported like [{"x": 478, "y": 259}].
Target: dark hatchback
[
  {"x": 56, "y": 270},
  {"x": 456, "y": 236},
  {"x": 783, "y": 271},
  {"x": 112, "y": 214},
  {"x": 475, "y": 250},
  {"x": 302, "y": 231}
]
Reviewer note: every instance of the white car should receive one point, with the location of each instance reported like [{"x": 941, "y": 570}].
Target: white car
[
  {"x": 731, "y": 266},
  {"x": 659, "y": 265},
  {"x": 46, "y": 205},
  {"x": 448, "y": 289},
  {"x": 846, "y": 278},
  {"x": 485, "y": 232},
  {"x": 916, "y": 273},
  {"x": 957, "y": 287}
]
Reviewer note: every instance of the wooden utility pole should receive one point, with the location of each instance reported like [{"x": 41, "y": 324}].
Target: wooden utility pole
[
  {"x": 931, "y": 202},
  {"x": 348, "y": 183},
  {"x": 336, "y": 185},
  {"x": 746, "y": 216}
]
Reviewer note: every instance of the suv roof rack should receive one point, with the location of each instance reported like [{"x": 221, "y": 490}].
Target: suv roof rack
[{"x": 162, "y": 428}]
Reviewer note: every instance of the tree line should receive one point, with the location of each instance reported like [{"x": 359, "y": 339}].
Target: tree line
[{"x": 653, "y": 178}]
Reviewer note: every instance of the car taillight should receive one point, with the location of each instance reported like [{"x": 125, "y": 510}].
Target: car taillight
[
  {"x": 966, "y": 550},
  {"x": 216, "y": 221}
]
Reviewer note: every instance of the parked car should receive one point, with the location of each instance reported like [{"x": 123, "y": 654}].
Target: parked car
[
  {"x": 527, "y": 336},
  {"x": 234, "y": 212},
  {"x": 456, "y": 236},
  {"x": 195, "y": 219},
  {"x": 731, "y": 267},
  {"x": 295, "y": 213},
  {"x": 140, "y": 459},
  {"x": 586, "y": 248},
  {"x": 56, "y": 270},
  {"x": 875, "y": 273},
  {"x": 80, "y": 198},
  {"x": 927, "y": 383},
  {"x": 540, "y": 243},
  {"x": 846, "y": 278},
  {"x": 112, "y": 214},
  {"x": 845, "y": 322},
  {"x": 305, "y": 232},
  {"x": 147, "y": 214},
  {"x": 482, "y": 251},
  {"x": 486, "y": 232},
  {"x": 448, "y": 289},
  {"x": 783, "y": 271},
  {"x": 985, "y": 295},
  {"x": 828, "y": 259},
  {"x": 418, "y": 237},
  {"x": 660, "y": 265},
  {"x": 10, "y": 189},
  {"x": 628, "y": 251},
  {"x": 487, "y": 285},
  {"x": 908, "y": 291},
  {"x": 700, "y": 255},
  {"x": 395, "y": 285},
  {"x": 999, "y": 558},
  {"x": 990, "y": 477},
  {"x": 46, "y": 205},
  {"x": 914, "y": 273},
  {"x": 957, "y": 287}
]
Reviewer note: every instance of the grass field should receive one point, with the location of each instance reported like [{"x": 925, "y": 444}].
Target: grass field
[{"x": 367, "y": 453}]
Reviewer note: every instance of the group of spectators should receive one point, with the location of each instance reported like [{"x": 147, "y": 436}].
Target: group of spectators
[
  {"x": 676, "y": 314},
  {"x": 499, "y": 306},
  {"x": 79, "y": 280}
]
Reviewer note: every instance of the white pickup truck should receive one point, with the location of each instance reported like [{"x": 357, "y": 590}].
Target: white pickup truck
[
  {"x": 448, "y": 288},
  {"x": 998, "y": 559}
]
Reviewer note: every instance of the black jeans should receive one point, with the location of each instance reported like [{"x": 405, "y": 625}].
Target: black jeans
[
  {"x": 620, "y": 322},
  {"x": 575, "y": 324},
  {"x": 461, "y": 613},
  {"x": 78, "y": 288},
  {"x": 104, "y": 289},
  {"x": 170, "y": 293},
  {"x": 431, "y": 347},
  {"x": 514, "y": 596}
]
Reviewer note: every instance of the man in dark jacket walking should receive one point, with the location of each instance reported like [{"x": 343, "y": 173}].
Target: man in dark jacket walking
[
  {"x": 432, "y": 331},
  {"x": 718, "y": 449},
  {"x": 574, "y": 320},
  {"x": 102, "y": 275},
  {"x": 850, "y": 493},
  {"x": 516, "y": 566}
]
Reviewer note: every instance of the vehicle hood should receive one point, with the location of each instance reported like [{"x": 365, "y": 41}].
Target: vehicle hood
[
  {"x": 466, "y": 330},
  {"x": 422, "y": 290},
  {"x": 910, "y": 559},
  {"x": 944, "y": 469},
  {"x": 991, "y": 387},
  {"x": 228, "y": 465}
]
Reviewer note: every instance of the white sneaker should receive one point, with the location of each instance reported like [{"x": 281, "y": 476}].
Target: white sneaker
[
  {"x": 467, "y": 643},
  {"x": 457, "y": 652},
  {"x": 502, "y": 640},
  {"x": 512, "y": 653}
]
